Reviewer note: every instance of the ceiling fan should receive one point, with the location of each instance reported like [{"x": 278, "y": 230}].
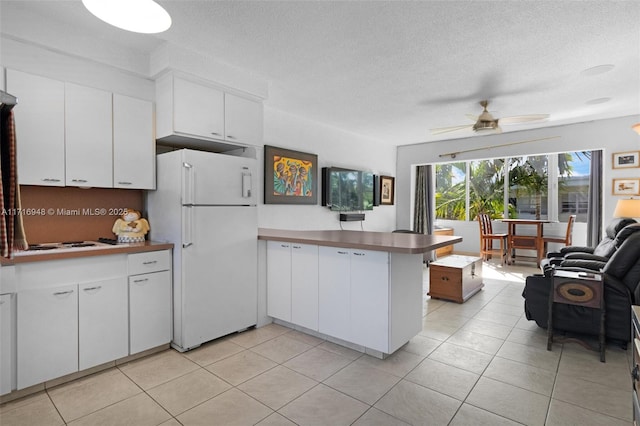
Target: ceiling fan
[{"x": 486, "y": 122}]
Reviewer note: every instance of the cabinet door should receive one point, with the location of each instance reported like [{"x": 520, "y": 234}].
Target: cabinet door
[
  {"x": 88, "y": 137},
  {"x": 370, "y": 299},
  {"x": 304, "y": 285},
  {"x": 39, "y": 121},
  {"x": 279, "y": 280},
  {"x": 7, "y": 345},
  {"x": 197, "y": 109},
  {"x": 103, "y": 322},
  {"x": 47, "y": 334},
  {"x": 333, "y": 292},
  {"x": 133, "y": 143},
  {"x": 243, "y": 120},
  {"x": 149, "y": 311}
]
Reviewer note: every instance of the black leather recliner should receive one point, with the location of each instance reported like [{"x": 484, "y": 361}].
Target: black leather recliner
[
  {"x": 621, "y": 274},
  {"x": 602, "y": 252}
]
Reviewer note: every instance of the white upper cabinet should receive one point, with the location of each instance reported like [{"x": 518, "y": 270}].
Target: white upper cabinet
[
  {"x": 197, "y": 110},
  {"x": 133, "y": 143},
  {"x": 39, "y": 120},
  {"x": 73, "y": 135},
  {"x": 243, "y": 120},
  {"x": 88, "y": 137}
]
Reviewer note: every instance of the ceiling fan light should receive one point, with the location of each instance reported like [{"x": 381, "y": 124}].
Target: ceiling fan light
[
  {"x": 482, "y": 125},
  {"x": 140, "y": 16}
]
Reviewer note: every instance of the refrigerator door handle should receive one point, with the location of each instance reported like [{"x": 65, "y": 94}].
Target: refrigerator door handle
[
  {"x": 188, "y": 182},
  {"x": 246, "y": 183},
  {"x": 188, "y": 226}
]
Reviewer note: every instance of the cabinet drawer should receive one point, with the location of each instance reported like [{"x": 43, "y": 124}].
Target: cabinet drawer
[{"x": 153, "y": 261}]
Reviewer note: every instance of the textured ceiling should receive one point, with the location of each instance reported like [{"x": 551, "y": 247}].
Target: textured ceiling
[{"x": 392, "y": 70}]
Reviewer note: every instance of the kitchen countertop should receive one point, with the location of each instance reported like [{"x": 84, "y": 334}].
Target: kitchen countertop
[
  {"x": 366, "y": 240},
  {"x": 86, "y": 252}
]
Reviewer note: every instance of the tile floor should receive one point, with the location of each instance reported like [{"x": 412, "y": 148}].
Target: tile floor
[{"x": 479, "y": 363}]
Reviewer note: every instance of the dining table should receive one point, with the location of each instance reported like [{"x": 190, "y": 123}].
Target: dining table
[{"x": 528, "y": 241}]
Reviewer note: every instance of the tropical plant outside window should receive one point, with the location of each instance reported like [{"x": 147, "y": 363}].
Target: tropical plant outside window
[{"x": 533, "y": 183}]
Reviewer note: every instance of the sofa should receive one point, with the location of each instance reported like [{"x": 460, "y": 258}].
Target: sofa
[
  {"x": 621, "y": 275},
  {"x": 601, "y": 252}
]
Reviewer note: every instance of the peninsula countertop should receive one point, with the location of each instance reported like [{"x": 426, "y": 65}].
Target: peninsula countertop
[{"x": 366, "y": 240}]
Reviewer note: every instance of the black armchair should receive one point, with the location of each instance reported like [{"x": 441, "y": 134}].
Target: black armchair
[
  {"x": 602, "y": 252},
  {"x": 621, "y": 275}
]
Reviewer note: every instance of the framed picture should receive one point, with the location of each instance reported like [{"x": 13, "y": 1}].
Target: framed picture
[
  {"x": 626, "y": 187},
  {"x": 623, "y": 160},
  {"x": 387, "y": 184},
  {"x": 290, "y": 177}
]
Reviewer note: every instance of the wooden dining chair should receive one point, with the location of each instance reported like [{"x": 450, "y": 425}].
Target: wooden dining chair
[
  {"x": 566, "y": 240},
  {"x": 487, "y": 238}
]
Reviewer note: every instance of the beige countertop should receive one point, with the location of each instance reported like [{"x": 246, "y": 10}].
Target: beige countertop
[
  {"x": 86, "y": 252},
  {"x": 380, "y": 241}
]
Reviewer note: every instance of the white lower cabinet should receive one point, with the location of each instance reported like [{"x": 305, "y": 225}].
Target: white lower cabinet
[
  {"x": 47, "y": 334},
  {"x": 304, "y": 285},
  {"x": 279, "y": 280},
  {"x": 369, "y": 299},
  {"x": 103, "y": 322},
  {"x": 354, "y": 296},
  {"x": 74, "y": 314},
  {"x": 334, "y": 292},
  {"x": 149, "y": 310},
  {"x": 7, "y": 343},
  {"x": 292, "y": 277}
]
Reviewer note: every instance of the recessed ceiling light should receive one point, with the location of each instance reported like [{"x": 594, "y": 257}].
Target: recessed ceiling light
[
  {"x": 600, "y": 69},
  {"x": 140, "y": 16},
  {"x": 597, "y": 101}
]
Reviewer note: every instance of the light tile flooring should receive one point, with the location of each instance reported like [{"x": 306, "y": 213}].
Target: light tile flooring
[{"x": 478, "y": 363}]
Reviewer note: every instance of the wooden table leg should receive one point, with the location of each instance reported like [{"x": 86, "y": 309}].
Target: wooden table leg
[
  {"x": 539, "y": 245},
  {"x": 510, "y": 232}
]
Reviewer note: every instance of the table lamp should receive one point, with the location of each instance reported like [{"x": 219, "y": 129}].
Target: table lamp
[{"x": 629, "y": 207}]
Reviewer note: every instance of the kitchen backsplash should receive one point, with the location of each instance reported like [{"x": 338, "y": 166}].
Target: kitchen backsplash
[{"x": 53, "y": 214}]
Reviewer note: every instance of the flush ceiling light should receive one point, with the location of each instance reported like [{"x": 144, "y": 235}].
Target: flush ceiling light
[
  {"x": 597, "y": 101},
  {"x": 140, "y": 16},
  {"x": 597, "y": 70}
]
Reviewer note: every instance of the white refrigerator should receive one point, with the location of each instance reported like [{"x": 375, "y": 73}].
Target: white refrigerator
[{"x": 205, "y": 204}]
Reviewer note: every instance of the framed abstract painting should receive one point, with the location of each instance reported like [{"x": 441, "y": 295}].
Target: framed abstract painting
[{"x": 290, "y": 177}]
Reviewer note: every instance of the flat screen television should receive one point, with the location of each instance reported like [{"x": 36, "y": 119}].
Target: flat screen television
[{"x": 347, "y": 190}]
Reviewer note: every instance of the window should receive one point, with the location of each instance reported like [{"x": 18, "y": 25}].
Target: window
[
  {"x": 451, "y": 190},
  {"x": 538, "y": 187},
  {"x": 573, "y": 185},
  {"x": 528, "y": 187},
  {"x": 486, "y": 188}
]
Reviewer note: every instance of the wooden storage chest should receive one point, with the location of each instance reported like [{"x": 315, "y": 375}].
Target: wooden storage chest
[{"x": 455, "y": 278}]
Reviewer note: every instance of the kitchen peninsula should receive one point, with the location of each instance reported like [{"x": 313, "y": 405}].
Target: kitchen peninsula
[{"x": 361, "y": 289}]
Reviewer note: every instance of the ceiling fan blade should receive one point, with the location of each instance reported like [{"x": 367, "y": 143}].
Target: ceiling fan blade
[
  {"x": 450, "y": 129},
  {"x": 523, "y": 118}
]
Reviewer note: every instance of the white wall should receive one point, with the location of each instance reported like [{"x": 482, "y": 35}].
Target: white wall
[
  {"x": 613, "y": 135},
  {"x": 334, "y": 147}
]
